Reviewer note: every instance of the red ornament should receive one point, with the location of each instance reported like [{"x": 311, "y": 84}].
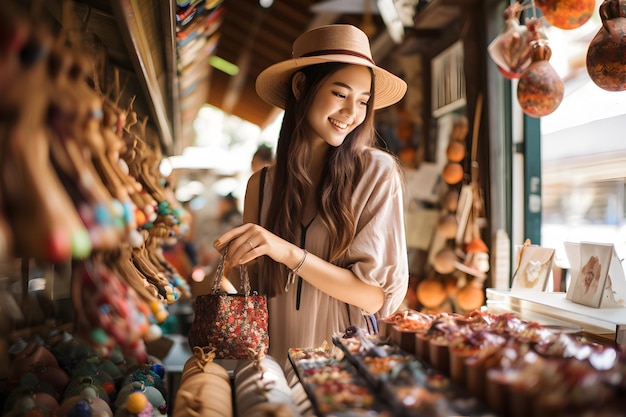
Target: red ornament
[{"x": 59, "y": 246}]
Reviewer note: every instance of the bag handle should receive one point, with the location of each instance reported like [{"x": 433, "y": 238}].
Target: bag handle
[{"x": 219, "y": 274}]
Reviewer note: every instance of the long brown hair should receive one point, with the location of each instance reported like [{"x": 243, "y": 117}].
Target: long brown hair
[{"x": 342, "y": 170}]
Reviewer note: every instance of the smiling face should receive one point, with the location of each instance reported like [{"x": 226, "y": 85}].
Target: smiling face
[{"x": 340, "y": 104}]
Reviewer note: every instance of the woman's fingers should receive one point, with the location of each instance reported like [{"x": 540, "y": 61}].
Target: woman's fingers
[
  {"x": 250, "y": 241},
  {"x": 243, "y": 243}
]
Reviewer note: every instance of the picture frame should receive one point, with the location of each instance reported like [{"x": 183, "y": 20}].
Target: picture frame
[
  {"x": 589, "y": 272},
  {"x": 609, "y": 291},
  {"x": 533, "y": 268}
]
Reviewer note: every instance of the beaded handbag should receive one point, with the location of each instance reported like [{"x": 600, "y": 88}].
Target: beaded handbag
[{"x": 232, "y": 324}]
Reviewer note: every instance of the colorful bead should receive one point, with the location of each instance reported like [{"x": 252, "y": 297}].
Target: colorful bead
[
  {"x": 81, "y": 244},
  {"x": 99, "y": 336},
  {"x": 58, "y": 246},
  {"x": 159, "y": 370},
  {"x": 136, "y": 402},
  {"x": 135, "y": 239},
  {"x": 140, "y": 217},
  {"x": 97, "y": 114},
  {"x": 86, "y": 214},
  {"x": 129, "y": 212},
  {"x": 80, "y": 409},
  {"x": 159, "y": 312},
  {"x": 154, "y": 332},
  {"x": 102, "y": 214},
  {"x": 109, "y": 387}
]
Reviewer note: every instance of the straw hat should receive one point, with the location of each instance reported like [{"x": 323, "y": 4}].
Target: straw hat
[{"x": 330, "y": 43}]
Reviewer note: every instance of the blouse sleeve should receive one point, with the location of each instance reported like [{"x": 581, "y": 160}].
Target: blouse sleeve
[{"x": 378, "y": 254}]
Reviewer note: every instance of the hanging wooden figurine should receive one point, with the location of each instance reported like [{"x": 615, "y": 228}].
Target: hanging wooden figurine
[{"x": 511, "y": 49}]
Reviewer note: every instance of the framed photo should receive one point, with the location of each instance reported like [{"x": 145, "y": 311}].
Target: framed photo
[
  {"x": 534, "y": 267},
  {"x": 588, "y": 282}
]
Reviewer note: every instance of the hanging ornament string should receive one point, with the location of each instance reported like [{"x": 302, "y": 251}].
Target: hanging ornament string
[
  {"x": 529, "y": 5},
  {"x": 477, "y": 197},
  {"x": 475, "y": 130}
]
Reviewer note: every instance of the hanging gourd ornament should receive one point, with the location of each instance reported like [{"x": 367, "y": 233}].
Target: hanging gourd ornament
[
  {"x": 447, "y": 225},
  {"x": 431, "y": 292},
  {"x": 455, "y": 151},
  {"x": 452, "y": 173},
  {"x": 566, "y": 14},
  {"x": 444, "y": 261},
  {"x": 540, "y": 89},
  {"x": 471, "y": 296},
  {"x": 460, "y": 128},
  {"x": 451, "y": 200},
  {"x": 606, "y": 55}
]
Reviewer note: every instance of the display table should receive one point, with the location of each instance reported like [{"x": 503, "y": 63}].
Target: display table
[{"x": 606, "y": 324}]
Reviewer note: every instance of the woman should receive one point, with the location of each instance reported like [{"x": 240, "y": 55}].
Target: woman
[{"x": 330, "y": 220}]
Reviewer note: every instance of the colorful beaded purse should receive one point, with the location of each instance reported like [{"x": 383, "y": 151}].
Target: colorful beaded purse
[{"x": 232, "y": 324}]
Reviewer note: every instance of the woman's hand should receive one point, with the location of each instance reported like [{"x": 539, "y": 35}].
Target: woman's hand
[{"x": 249, "y": 241}]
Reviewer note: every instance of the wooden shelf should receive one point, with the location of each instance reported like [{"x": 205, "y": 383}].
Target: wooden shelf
[{"x": 151, "y": 49}]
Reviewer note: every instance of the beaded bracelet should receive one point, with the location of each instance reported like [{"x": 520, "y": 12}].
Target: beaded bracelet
[{"x": 291, "y": 278}]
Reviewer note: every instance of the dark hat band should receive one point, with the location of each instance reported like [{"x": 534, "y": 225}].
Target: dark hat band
[{"x": 338, "y": 52}]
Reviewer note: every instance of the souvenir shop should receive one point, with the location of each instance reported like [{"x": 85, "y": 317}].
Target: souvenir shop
[{"x": 98, "y": 97}]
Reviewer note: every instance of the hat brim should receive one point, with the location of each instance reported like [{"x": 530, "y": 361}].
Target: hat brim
[{"x": 273, "y": 84}]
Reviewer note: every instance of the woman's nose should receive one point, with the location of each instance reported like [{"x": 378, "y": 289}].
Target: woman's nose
[{"x": 350, "y": 107}]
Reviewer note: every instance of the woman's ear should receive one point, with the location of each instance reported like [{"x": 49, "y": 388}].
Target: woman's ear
[{"x": 297, "y": 84}]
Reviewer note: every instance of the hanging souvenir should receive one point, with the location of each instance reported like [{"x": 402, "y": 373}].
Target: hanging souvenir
[
  {"x": 606, "y": 55},
  {"x": 540, "y": 89},
  {"x": 566, "y": 14},
  {"x": 511, "y": 49}
]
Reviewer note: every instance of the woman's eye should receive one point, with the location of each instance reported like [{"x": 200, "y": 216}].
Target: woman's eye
[{"x": 340, "y": 95}]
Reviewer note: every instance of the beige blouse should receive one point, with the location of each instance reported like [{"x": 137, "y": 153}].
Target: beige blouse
[{"x": 377, "y": 255}]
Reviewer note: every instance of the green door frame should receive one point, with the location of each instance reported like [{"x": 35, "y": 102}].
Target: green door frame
[{"x": 532, "y": 179}]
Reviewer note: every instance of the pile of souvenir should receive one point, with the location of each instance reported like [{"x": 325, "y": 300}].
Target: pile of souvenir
[
  {"x": 63, "y": 376},
  {"x": 372, "y": 376},
  {"x": 515, "y": 367}
]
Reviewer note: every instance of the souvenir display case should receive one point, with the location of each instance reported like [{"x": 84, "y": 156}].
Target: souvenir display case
[
  {"x": 516, "y": 364},
  {"x": 606, "y": 325}
]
